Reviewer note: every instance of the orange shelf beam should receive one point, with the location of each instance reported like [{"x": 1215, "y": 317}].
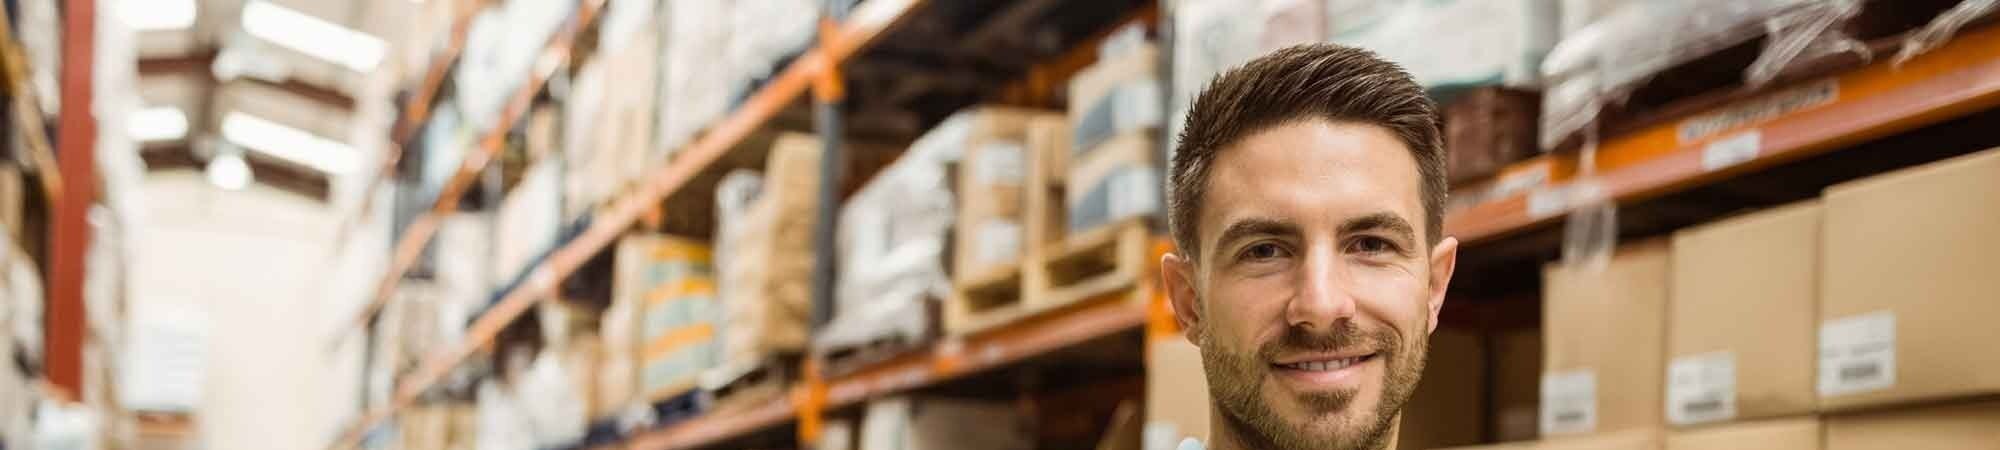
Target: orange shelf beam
[{"x": 1776, "y": 127}]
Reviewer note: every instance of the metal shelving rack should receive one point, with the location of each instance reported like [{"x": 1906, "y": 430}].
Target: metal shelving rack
[{"x": 1873, "y": 101}]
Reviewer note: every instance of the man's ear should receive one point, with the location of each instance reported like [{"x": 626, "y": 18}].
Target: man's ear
[
  {"x": 1444, "y": 260},
  {"x": 1177, "y": 276}
]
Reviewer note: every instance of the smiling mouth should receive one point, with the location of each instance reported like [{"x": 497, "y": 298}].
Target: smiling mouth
[{"x": 1330, "y": 365}]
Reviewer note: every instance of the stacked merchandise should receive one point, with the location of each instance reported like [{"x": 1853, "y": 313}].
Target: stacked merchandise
[
  {"x": 1741, "y": 310},
  {"x": 764, "y": 247},
  {"x": 891, "y": 239},
  {"x": 714, "y": 48},
  {"x": 659, "y": 333},
  {"x": 991, "y": 189},
  {"x": 1115, "y": 115},
  {"x": 608, "y": 134},
  {"x": 1602, "y": 63}
]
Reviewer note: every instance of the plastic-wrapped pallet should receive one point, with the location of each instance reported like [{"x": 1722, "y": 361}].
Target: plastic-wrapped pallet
[
  {"x": 892, "y": 243},
  {"x": 529, "y": 219},
  {"x": 1213, "y": 35},
  {"x": 1603, "y": 62},
  {"x": 464, "y": 253},
  {"x": 623, "y": 128},
  {"x": 781, "y": 27},
  {"x": 698, "y": 80},
  {"x": 501, "y": 47},
  {"x": 1491, "y": 41},
  {"x": 765, "y": 254}
]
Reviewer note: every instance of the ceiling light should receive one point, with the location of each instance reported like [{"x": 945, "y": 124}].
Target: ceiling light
[
  {"x": 313, "y": 36},
  {"x": 157, "y": 15},
  {"x": 158, "y": 123},
  {"x": 228, "y": 171},
  {"x": 290, "y": 144}
]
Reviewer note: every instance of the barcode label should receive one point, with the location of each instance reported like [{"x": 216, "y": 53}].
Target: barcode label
[
  {"x": 1701, "y": 388},
  {"x": 1569, "y": 402},
  {"x": 1860, "y": 372},
  {"x": 1857, "y": 354}
]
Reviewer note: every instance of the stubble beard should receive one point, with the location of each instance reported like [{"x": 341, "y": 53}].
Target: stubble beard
[{"x": 1236, "y": 380}]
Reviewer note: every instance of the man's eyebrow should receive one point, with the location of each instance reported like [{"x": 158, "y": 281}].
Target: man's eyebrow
[
  {"x": 1255, "y": 226},
  {"x": 1385, "y": 221}
]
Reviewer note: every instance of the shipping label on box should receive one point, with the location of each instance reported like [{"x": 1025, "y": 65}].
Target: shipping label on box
[
  {"x": 1569, "y": 402},
  {"x": 1701, "y": 388},
  {"x": 1857, "y": 354}
]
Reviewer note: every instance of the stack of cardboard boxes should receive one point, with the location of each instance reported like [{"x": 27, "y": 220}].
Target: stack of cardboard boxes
[{"x": 1849, "y": 322}]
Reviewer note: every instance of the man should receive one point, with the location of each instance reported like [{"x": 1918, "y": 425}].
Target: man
[{"x": 1306, "y": 206}]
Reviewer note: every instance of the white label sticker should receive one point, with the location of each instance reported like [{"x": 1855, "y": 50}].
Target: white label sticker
[
  {"x": 1569, "y": 402},
  {"x": 999, "y": 242},
  {"x": 1857, "y": 354},
  {"x": 1133, "y": 193},
  {"x": 1701, "y": 388},
  {"x": 1732, "y": 150},
  {"x": 1000, "y": 162},
  {"x": 1547, "y": 202}
]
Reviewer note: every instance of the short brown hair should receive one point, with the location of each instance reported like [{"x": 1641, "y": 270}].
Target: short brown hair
[{"x": 1308, "y": 81}]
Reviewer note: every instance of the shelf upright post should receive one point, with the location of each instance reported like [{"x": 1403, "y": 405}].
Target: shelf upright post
[
  {"x": 829, "y": 92},
  {"x": 69, "y": 237}
]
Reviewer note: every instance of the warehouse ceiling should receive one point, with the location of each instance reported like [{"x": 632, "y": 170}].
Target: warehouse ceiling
[{"x": 263, "y": 71}]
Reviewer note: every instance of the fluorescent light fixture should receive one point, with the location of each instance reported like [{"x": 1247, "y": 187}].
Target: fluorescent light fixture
[
  {"x": 158, "y": 123},
  {"x": 228, "y": 171},
  {"x": 157, "y": 15},
  {"x": 290, "y": 144},
  {"x": 313, "y": 36}
]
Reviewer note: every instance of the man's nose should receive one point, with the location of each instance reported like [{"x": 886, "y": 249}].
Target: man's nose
[{"x": 1323, "y": 296}]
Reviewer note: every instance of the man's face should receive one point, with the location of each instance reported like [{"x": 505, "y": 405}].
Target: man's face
[{"x": 1314, "y": 290}]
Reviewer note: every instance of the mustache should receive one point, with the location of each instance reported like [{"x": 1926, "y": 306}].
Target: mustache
[{"x": 1342, "y": 336}]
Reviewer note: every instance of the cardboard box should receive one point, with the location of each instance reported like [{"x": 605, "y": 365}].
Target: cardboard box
[
  {"x": 935, "y": 423},
  {"x": 991, "y": 185},
  {"x": 1908, "y": 293},
  {"x": 1961, "y": 426},
  {"x": 1177, "y": 403},
  {"x": 1801, "y": 433},
  {"x": 1740, "y": 328},
  {"x": 1638, "y": 439},
  {"x": 1118, "y": 180},
  {"x": 1120, "y": 94},
  {"x": 1449, "y": 405},
  {"x": 1517, "y": 385},
  {"x": 1605, "y": 343}
]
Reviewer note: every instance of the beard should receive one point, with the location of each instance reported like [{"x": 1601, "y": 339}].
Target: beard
[{"x": 1236, "y": 379}]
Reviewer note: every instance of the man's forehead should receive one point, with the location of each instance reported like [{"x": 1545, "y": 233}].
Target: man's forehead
[{"x": 1312, "y": 168}]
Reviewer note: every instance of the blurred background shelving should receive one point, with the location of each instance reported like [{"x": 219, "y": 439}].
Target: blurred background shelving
[{"x": 926, "y": 224}]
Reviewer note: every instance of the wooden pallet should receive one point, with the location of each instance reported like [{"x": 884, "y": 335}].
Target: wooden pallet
[
  {"x": 845, "y": 359},
  {"x": 984, "y": 300},
  {"x": 1101, "y": 261},
  {"x": 767, "y": 382}
]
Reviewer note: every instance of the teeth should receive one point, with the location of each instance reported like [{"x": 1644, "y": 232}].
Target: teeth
[{"x": 1322, "y": 366}]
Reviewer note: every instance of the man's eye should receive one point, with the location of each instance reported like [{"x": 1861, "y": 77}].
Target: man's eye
[
  {"x": 1264, "y": 251},
  {"x": 1371, "y": 245}
]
